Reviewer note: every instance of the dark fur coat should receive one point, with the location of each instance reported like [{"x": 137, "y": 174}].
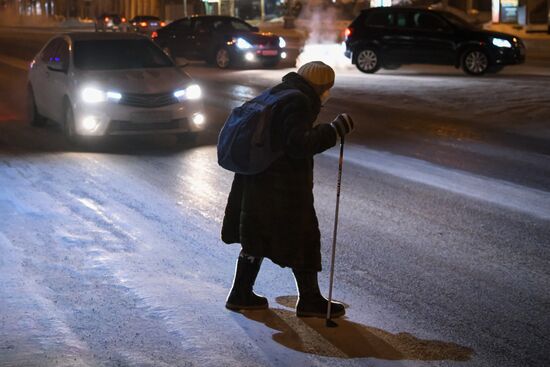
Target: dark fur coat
[{"x": 271, "y": 214}]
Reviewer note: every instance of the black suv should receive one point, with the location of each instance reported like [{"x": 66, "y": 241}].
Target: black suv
[
  {"x": 222, "y": 40},
  {"x": 390, "y": 37}
]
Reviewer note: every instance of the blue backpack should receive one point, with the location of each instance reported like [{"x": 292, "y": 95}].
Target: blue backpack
[{"x": 244, "y": 143}]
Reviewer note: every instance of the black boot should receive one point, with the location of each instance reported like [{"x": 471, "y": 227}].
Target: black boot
[
  {"x": 310, "y": 302},
  {"x": 241, "y": 296}
]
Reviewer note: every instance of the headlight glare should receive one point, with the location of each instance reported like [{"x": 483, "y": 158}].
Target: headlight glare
[
  {"x": 500, "y": 42},
  {"x": 93, "y": 95},
  {"x": 193, "y": 92},
  {"x": 190, "y": 93},
  {"x": 282, "y": 42},
  {"x": 249, "y": 56},
  {"x": 114, "y": 96},
  {"x": 90, "y": 123},
  {"x": 179, "y": 94},
  {"x": 243, "y": 44},
  {"x": 198, "y": 119}
]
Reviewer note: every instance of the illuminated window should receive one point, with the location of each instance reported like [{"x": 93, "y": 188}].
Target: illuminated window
[{"x": 377, "y": 3}]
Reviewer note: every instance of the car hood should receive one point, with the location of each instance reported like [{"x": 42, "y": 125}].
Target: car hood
[
  {"x": 497, "y": 34},
  {"x": 143, "y": 81}
]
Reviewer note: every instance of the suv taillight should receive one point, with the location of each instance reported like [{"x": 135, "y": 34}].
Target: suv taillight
[
  {"x": 347, "y": 32},
  {"x": 154, "y": 35}
]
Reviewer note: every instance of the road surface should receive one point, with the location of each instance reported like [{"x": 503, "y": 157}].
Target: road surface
[{"x": 111, "y": 255}]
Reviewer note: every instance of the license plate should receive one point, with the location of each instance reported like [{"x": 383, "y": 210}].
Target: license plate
[
  {"x": 154, "y": 24},
  {"x": 151, "y": 116},
  {"x": 269, "y": 52}
]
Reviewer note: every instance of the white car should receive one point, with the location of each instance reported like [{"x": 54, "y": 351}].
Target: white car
[{"x": 97, "y": 84}]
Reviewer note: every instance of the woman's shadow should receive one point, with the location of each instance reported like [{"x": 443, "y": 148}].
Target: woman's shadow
[{"x": 350, "y": 339}]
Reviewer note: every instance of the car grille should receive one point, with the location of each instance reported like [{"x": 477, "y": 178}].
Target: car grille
[
  {"x": 128, "y": 126},
  {"x": 148, "y": 100},
  {"x": 269, "y": 43}
]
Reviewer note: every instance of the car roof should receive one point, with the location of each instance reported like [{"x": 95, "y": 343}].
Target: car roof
[
  {"x": 96, "y": 36},
  {"x": 214, "y": 17}
]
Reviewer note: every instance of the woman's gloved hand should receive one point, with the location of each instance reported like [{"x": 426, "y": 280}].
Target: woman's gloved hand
[{"x": 343, "y": 124}]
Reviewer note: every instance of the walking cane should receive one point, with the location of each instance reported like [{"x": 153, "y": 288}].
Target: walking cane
[{"x": 329, "y": 322}]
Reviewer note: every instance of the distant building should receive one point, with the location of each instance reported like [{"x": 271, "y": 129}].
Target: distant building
[{"x": 522, "y": 12}]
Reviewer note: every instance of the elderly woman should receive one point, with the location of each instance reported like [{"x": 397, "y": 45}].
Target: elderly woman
[{"x": 271, "y": 214}]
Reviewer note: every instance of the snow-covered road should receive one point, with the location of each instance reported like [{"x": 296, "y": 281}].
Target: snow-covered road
[{"x": 111, "y": 256}]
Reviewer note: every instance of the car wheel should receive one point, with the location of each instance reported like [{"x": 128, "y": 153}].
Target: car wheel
[
  {"x": 368, "y": 60},
  {"x": 475, "y": 62},
  {"x": 223, "y": 58},
  {"x": 33, "y": 116}
]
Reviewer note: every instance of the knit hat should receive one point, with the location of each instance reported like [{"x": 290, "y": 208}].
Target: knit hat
[{"x": 318, "y": 74}]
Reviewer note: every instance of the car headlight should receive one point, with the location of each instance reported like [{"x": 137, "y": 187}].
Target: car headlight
[
  {"x": 190, "y": 93},
  {"x": 243, "y": 44},
  {"x": 114, "y": 96},
  {"x": 500, "y": 42},
  {"x": 282, "y": 42},
  {"x": 94, "y": 95}
]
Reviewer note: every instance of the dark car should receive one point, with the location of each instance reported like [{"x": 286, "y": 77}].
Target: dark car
[
  {"x": 390, "y": 37},
  {"x": 146, "y": 24},
  {"x": 111, "y": 22},
  {"x": 222, "y": 40}
]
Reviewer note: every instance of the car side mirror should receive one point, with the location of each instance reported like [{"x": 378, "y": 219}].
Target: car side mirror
[
  {"x": 255, "y": 29},
  {"x": 56, "y": 66}
]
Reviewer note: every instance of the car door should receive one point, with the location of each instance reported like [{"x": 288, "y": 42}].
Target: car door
[
  {"x": 434, "y": 38},
  {"x": 177, "y": 37},
  {"x": 396, "y": 39},
  {"x": 41, "y": 81},
  {"x": 59, "y": 80},
  {"x": 201, "y": 39},
  {"x": 378, "y": 29}
]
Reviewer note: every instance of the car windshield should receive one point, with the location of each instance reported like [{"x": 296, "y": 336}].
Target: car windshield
[
  {"x": 456, "y": 20},
  {"x": 239, "y": 26},
  {"x": 119, "y": 54}
]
